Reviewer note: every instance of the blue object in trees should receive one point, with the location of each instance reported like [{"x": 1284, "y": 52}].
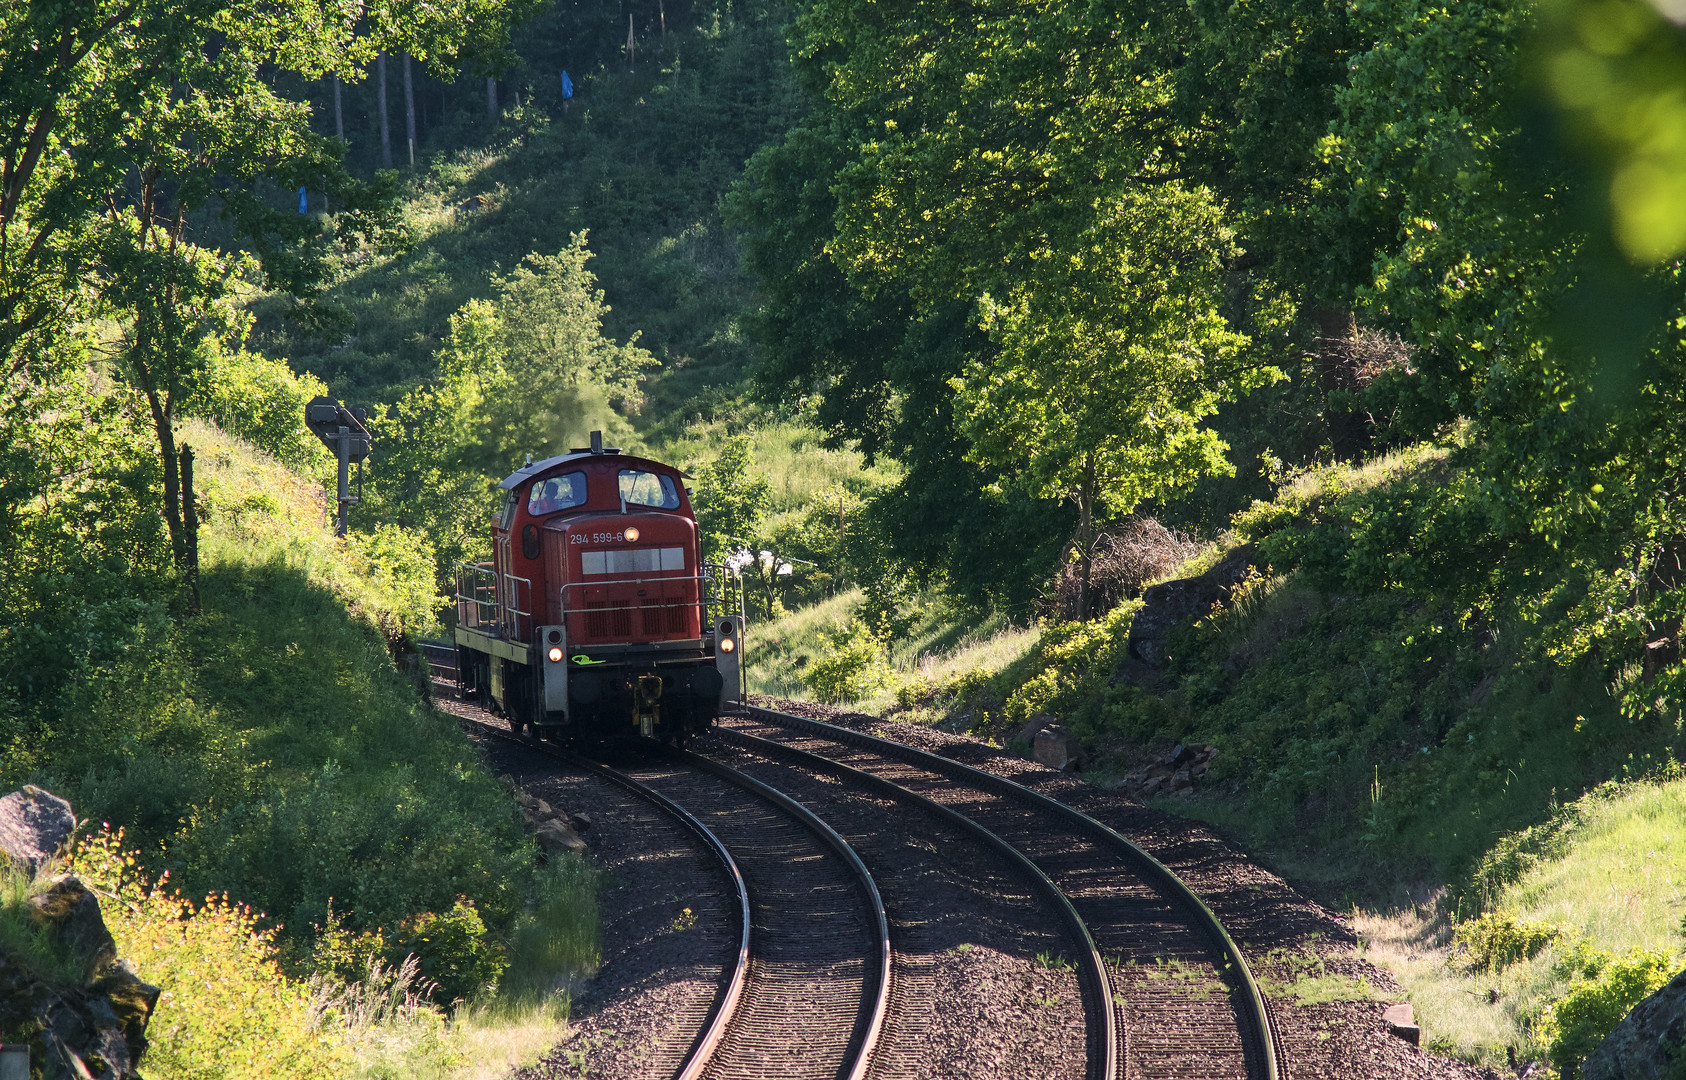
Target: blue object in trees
[
  {"x": 567, "y": 86},
  {"x": 304, "y": 203}
]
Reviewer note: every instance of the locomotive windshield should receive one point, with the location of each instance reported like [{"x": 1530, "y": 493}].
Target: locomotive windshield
[
  {"x": 641, "y": 488},
  {"x": 557, "y": 493}
]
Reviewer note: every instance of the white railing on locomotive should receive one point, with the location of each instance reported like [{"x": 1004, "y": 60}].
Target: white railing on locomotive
[
  {"x": 516, "y": 598},
  {"x": 477, "y": 595}
]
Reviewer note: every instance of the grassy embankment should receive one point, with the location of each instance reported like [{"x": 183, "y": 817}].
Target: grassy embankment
[
  {"x": 268, "y": 748},
  {"x": 1405, "y": 699}
]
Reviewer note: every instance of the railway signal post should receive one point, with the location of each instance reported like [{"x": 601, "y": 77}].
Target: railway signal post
[{"x": 341, "y": 430}]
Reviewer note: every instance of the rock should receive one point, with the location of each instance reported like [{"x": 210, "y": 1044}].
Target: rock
[
  {"x": 580, "y": 822},
  {"x": 35, "y": 826},
  {"x": 1034, "y": 726},
  {"x": 72, "y": 916},
  {"x": 1650, "y": 1042},
  {"x": 132, "y": 1003},
  {"x": 1172, "y": 605},
  {"x": 1401, "y": 1020},
  {"x": 553, "y": 837},
  {"x": 1056, "y": 749},
  {"x": 525, "y": 800}
]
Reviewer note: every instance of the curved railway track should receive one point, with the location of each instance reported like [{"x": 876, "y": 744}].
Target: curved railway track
[
  {"x": 1171, "y": 952},
  {"x": 1165, "y": 990},
  {"x": 807, "y": 960}
]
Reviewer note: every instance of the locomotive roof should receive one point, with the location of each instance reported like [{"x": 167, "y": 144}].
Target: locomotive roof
[{"x": 608, "y": 453}]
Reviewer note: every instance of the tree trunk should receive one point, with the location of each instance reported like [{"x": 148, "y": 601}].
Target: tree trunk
[
  {"x": 163, "y": 424},
  {"x": 339, "y": 113},
  {"x": 190, "y": 526},
  {"x": 491, "y": 99},
  {"x": 409, "y": 110},
  {"x": 386, "y": 132},
  {"x": 1085, "y": 535}
]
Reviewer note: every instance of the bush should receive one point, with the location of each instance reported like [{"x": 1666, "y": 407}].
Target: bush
[
  {"x": 1125, "y": 557},
  {"x": 851, "y": 665},
  {"x": 454, "y": 950},
  {"x": 227, "y": 1011},
  {"x": 1494, "y": 942},
  {"x": 1573, "y": 1026}
]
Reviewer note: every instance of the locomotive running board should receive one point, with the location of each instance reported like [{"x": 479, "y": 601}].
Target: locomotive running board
[{"x": 486, "y": 643}]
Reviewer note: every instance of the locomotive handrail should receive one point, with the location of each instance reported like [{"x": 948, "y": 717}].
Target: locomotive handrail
[
  {"x": 473, "y": 608},
  {"x": 511, "y": 605}
]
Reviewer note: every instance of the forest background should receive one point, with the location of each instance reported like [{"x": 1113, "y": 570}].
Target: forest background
[{"x": 977, "y": 323}]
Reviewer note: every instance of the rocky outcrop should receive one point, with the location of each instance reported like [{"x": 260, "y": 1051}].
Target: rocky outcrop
[
  {"x": 1649, "y": 1044},
  {"x": 83, "y": 1012},
  {"x": 553, "y": 830},
  {"x": 1171, "y": 773},
  {"x": 1171, "y": 605},
  {"x": 35, "y": 826}
]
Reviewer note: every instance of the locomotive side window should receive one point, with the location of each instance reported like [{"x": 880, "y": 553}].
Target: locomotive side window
[
  {"x": 557, "y": 493},
  {"x": 510, "y": 502},
  {"x": 640, "y": 488}
]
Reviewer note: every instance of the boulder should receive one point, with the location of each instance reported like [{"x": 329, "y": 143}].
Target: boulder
[
  {"x": 1034, "y": 726},
  {"x": 1171, "y": 605},
  {"x": 1401, "y": 1020},
  {"x": 132, "y": 1002},
  {"x": 579, "y": 822},
  {"x": 35, "y": 825},
  {"x": 1649, "y": 1043},
  {"x": 72, "y": 917},
  {"x": 554, "y": 837},
  {"x": 1056, "y": 748}
]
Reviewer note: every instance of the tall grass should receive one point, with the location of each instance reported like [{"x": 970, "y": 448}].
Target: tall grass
[{"x": 1613, "y": 882}]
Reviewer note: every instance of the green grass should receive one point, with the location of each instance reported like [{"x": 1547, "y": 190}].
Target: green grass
[
  {"x": 1613, "y": 880},
  {"x": 941, "y": 645}
]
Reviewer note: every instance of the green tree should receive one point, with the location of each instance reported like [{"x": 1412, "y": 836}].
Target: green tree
[
  {"x": 732, "y": 501},
  {"x": 1014, "y": 207},
  {"x": 526, "y": 373},
  {"x": 126, "y": 126}
]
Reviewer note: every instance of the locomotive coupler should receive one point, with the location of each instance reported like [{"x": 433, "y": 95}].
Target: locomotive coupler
[{"x": 647, "y": 696}]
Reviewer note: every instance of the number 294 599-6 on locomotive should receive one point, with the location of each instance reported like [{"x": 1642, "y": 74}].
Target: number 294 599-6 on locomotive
[{"x": 596, "y": 619}]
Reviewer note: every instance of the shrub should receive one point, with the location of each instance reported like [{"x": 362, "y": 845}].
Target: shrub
[
  {"x": 851, "y": 665},
  {"x": 1574, "y": 1025},
  {"x": 1124, "y": 558},
  {"x": 454, "y": 950},
  {"x": 227, "y": 1012},
  {"x": 1493, "y": 942}
]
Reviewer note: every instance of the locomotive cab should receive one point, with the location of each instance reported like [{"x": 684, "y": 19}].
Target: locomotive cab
[{"x": 597, "y": 619}]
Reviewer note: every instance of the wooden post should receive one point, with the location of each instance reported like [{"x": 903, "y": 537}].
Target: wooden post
[
  {"x": 339, "y": 113},
  {"x": 190, "y": 525},
  {"x": 631, "y": 43},
  {"x": 492, "y": 98},
  {"x": 410, "y": 110},
  {"x": 386, "y": 132}
]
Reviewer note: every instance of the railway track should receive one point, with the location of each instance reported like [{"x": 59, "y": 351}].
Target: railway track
[
  {"x": 1184, "y": 1002},
  {"x": 807, "y": 993},
  {"x": 1165, "y": 992}
]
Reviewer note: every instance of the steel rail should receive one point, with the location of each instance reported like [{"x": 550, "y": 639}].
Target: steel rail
[
  {"x": 725, "y": 1006},
  {"x": 1102, "y": 1023},
  {"x": 867, "y": 1034},
  {"x": 1269, "y": 1060}
]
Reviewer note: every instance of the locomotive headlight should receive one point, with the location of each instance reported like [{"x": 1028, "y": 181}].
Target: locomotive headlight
[
  {"x": 632, "y": 534},
  {"x": 728, "y": 645},
  {"x": 554, "y": 655}
]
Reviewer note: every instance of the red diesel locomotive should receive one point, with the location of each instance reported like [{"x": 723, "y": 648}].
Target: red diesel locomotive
[{"x": 597, "y": 618}]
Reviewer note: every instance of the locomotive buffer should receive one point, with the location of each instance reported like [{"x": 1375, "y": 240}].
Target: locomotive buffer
[{"x": 341, "y": 430}]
